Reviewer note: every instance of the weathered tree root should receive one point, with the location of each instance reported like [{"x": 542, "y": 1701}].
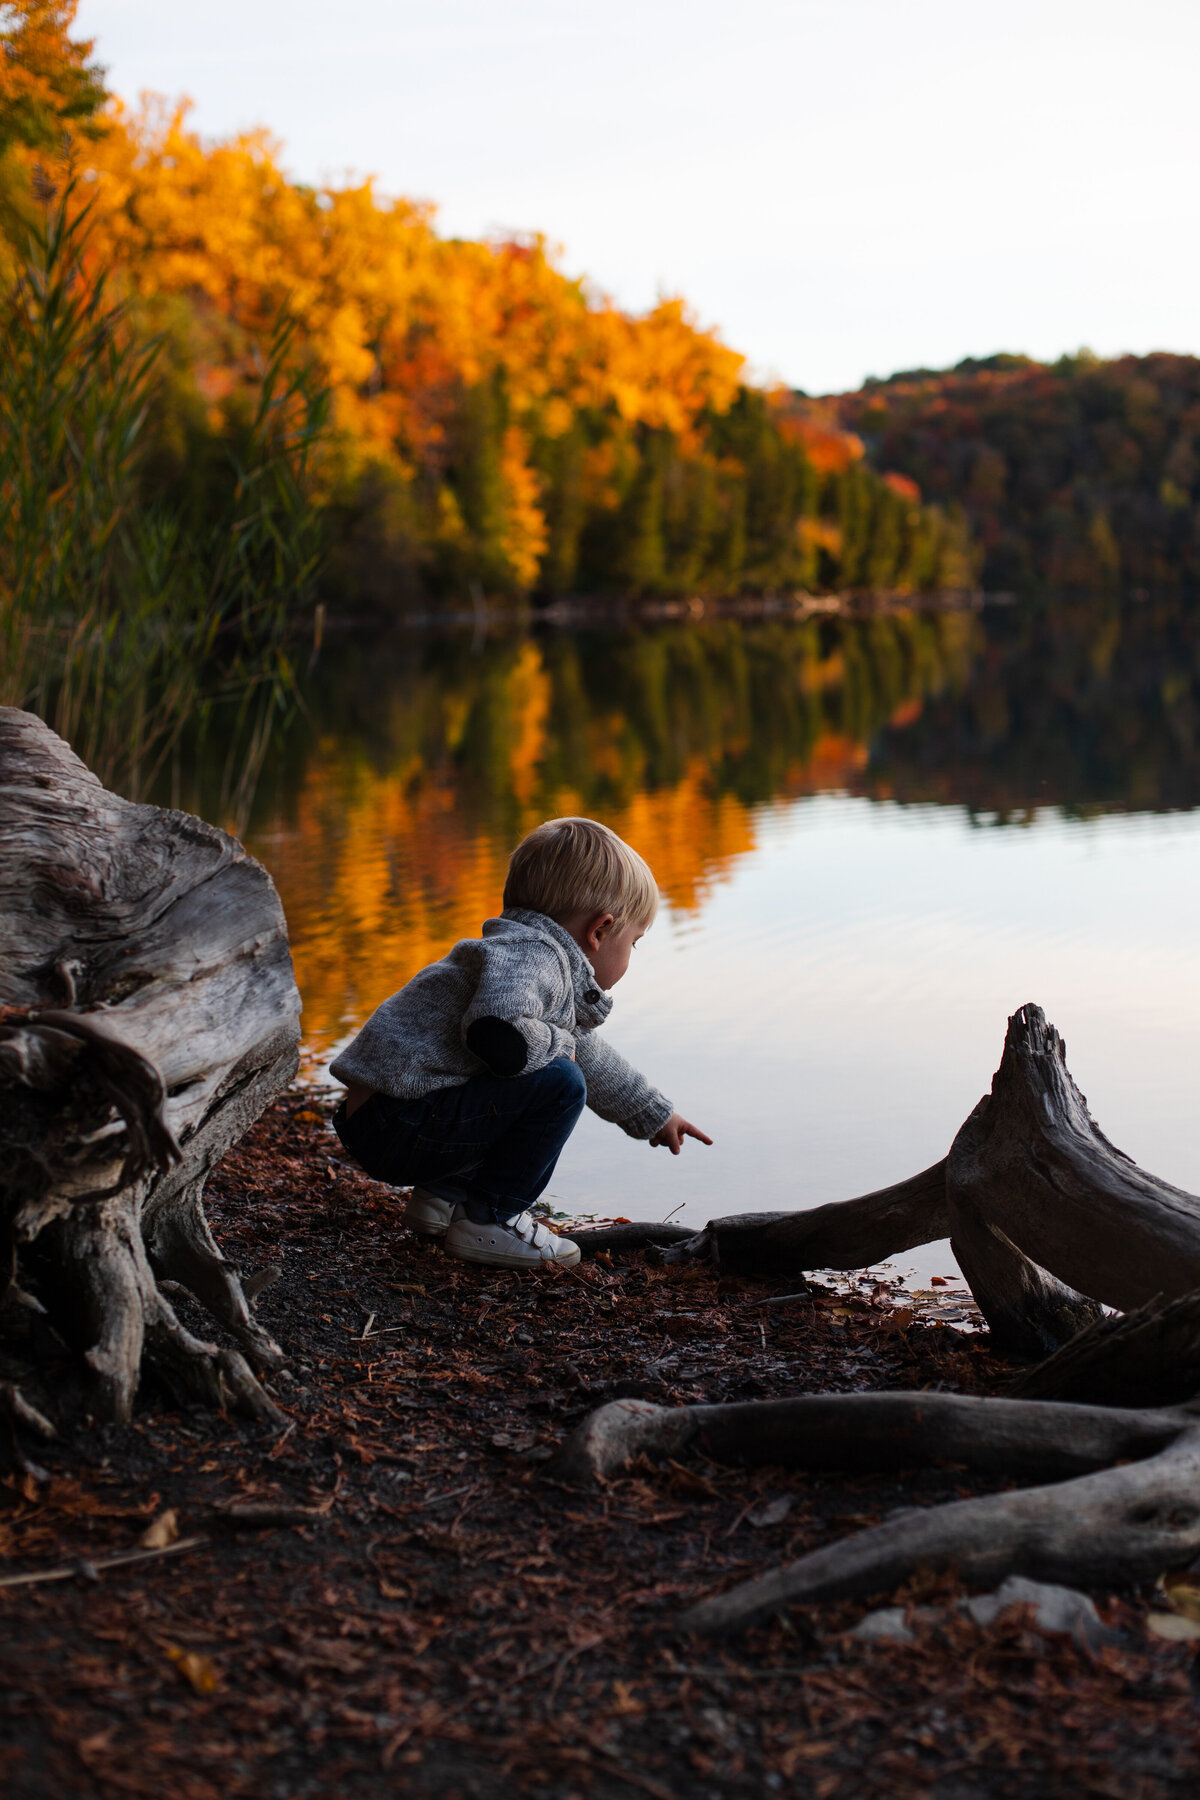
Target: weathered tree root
[
  {"x": 148, "y": 1014},
  {"x": 869, "y": 1431},
  {"x": 631, "y": 1234},
  {"x": 108, "y": 1304},
  {"x": 845, "y": 1234},
  {"x": 22, "y": 1420},
  {"x": 1096, "y": 1524},
  {"x": 20, "y": 1413},
  {"x": 1120, "y": 1525},
  {"x": 1148, "y": 1357}
]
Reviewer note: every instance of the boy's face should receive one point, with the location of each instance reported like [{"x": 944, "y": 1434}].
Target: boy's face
[{"x": 608, "y": 947}]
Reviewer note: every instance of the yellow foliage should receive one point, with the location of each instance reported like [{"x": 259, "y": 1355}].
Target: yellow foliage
[
  {"x": 525, "y": 533},
  {"x": 45, "y": 80},
  {"x": 819, "y": 534},
  {"x": 395, "y": 316}
]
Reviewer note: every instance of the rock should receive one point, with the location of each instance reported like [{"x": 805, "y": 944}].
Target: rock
[
  {"x": 887, "y": 1626},
  {"x": 771, "y": 1512},
  {"x": 1058, "y": 1611}
]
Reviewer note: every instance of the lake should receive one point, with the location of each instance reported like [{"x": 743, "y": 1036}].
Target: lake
[{"x": 875, "y": 837}]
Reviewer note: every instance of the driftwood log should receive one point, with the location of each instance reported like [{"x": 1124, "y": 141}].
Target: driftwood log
[
  {"x": 1050, "y": 1224},
  {"x": 846, "y": 1234},
  {"x": 1048, "y": 1220},
  {"x": 148, "y": 1013}
]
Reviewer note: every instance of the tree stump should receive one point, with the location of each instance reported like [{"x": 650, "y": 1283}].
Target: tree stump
[
  {"x": 1032, "y": 1164},
  {"x": 148, "y": 1013}
]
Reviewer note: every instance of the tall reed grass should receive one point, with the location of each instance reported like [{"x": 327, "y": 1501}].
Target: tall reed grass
[{"x": 121, "y": 624}]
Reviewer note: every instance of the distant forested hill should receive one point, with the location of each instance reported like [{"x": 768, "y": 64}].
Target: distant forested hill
[{"x": 1074, "y": 474}]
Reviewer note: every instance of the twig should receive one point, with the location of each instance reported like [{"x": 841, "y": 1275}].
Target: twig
[
  {"x": 748, "y": 1508},
  {"x": 281, "y": 1440},
  {"x": 14, "y": 1403},
  {"x": 440, "y": 1499},
  {"x": 252, "y": 1517},
  {"x": 90, "y": 1567},
  {"x": 775, "y": 1300},
  {"x": 560, "y": 1659}
]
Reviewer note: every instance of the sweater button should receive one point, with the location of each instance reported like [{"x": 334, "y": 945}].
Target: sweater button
[{"x": 592, "y": 995}]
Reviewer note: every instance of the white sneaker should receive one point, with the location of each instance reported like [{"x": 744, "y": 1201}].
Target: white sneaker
[
  {"x": 523, "y": 1244},
  {"x": 429, "y": 1215}
]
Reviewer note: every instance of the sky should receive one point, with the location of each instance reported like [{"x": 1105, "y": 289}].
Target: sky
[{"x": 842, "y": 188}]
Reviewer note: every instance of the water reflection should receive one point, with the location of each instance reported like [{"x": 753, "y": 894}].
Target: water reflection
[
  {"x": 388, "y": 817},
  {"x": 386, "y": 813},
  {"x": 1089, "y": 709}
]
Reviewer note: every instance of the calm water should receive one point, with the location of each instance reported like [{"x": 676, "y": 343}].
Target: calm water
[{"x": 875, "y": 840}]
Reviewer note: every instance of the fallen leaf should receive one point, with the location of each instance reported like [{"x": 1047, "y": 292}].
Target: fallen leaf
[
  {"x": 307, "y": 1117},
  {"x": 200, "y": 1672},
  {"x": 1173, "y": 1627},
  {"x": 161, "y": 1531},
  {"x": 803, "y": 1752},
  {"x": 1182, "y": 1592},
  {"x": 687, "y": 1481},
  {"x": 99, "y": 1744},
  {"x": 938, "y": 1281},
  {"x": 900, "y": 1318},
  {"x": 624, "y": 1698}
]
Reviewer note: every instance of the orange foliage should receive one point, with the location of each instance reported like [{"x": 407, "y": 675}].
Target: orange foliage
[
  {"x": 829, "y": 451},
  {"x": 395, "y": 316},
  {"x": 45, "y": 80},
  {"x": 903, "y": 485},
  {"x": 830, "y": 448}
]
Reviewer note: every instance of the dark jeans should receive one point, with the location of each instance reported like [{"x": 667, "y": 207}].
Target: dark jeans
[{"x": 490, "y": 1143}]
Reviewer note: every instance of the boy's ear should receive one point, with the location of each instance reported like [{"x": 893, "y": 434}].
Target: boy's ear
[{"x": 598, "y": 928}]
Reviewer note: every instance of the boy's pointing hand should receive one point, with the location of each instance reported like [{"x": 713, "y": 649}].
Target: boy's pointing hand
[{"x": 673, "y": 1133}]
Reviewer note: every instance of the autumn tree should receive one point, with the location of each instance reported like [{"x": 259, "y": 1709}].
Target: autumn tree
[
  {"x": 49, "y": 89},
  {"x": 1081, "y": 474}
]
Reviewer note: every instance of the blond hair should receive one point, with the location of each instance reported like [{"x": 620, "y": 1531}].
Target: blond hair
[{"x": 571, "y": 866}]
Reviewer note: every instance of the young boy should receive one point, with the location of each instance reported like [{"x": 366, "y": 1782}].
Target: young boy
[{"x": 469, "y": 1081}]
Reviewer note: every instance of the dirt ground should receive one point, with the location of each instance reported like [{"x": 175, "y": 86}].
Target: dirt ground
[{"x": 419, "y": 1610}]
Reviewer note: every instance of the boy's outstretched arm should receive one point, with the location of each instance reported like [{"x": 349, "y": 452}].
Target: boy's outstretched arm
[
  {"x": 673, "y": 1133},
  {"x": 618, "y": 1091}
]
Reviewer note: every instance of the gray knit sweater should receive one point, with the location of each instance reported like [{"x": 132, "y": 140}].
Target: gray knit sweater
[{"x": 505, "y": 1004}]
